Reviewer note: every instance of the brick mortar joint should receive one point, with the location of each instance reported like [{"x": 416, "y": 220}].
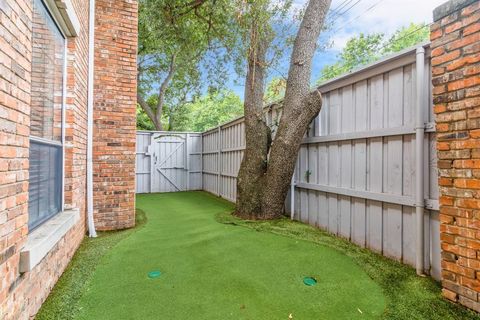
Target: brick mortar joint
[{"x": 457, "y": 116}]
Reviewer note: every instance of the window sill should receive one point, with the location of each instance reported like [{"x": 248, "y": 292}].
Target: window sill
[{"x": 45, "y": 237}]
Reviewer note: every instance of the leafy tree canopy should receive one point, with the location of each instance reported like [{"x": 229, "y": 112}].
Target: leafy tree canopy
[
  {"x": 200, "y": 114},
  {"x": 365, "y": 49},
  {"x": 182, "y": 47},
  {"x": 211, "y": 110},
  {"x": 407, "y": 36},
  {"x": 187, "y": 45}
]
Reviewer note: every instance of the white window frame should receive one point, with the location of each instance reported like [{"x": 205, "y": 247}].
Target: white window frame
[
  {"x": 64, "y": 15},
  {"x": 63, "y": 112},
  {"x": 44, "y": 238}
]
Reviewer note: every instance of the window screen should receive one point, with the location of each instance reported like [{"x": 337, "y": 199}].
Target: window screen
[
  {"x": 45, "y": 194},
  {"x": 48, "y": 57}
]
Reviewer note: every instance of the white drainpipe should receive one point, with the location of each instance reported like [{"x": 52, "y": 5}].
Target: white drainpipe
[
  {"x": 91, "y": 51},
  {"x": 419, "y": 166}
]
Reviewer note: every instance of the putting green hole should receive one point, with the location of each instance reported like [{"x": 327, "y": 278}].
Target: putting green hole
[
  {"x": 309, "y": 281},
  {"x": 154, "y": 274}
]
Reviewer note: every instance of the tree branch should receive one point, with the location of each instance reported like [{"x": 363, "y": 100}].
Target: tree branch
[
  {"x": 172, "y": 10},
  {"x": 163, "y": 88},
  {"x": 193, "y": 5},
  {"x": 144, "y": 105},
  {"x": 148, "y": 110}
]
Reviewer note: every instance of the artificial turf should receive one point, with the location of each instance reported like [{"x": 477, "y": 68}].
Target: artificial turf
[
  {"x": 215, "y": 266},
  {"x": 217, "y": 271}
]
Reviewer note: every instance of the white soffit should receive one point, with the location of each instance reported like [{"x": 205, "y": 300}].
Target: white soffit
[{"x": 65, "y": 16}]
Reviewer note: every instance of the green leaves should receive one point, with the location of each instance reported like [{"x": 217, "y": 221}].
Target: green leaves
[
  {"x": 188, "y": 45},
  {"x": 407, "y": 36},
  {"x": 203, "y": 113},
  {"x": 275, "y": 90},
  {"x": 358, "y": 51},
  {"x": 365, "y": 49},
  {"x": 212, "y": 110},
  {"x": 182, "y": 49}
]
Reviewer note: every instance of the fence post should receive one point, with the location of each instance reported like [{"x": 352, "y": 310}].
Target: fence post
[
  {"x": 187, "y": 162},
  {"x": 292, "y": 197},
  {"x": 419, "y": 164},
  {"x": 219, "y": 160},
  {"x": 201, "y": 160}
]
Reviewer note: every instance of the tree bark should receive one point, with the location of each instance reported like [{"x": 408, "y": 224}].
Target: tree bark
[
  {"x": 156, "y": 115},
  {"x": 257, "y": 134},
  {"x": 300, "y": 107},
  {"x": 149, "y": 111}
]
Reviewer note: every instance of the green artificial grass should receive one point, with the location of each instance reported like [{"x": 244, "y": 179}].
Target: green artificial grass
[
  {"x": 408, "y": 296},
  {"x": 62, "y": 303},
  {"x": 217, "y": 271},
  {"x": 215, "y": 266}
]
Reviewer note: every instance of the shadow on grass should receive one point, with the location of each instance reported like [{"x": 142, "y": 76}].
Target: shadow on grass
[
  {"x": 408, "y": 295},
  {"x": 62, "y": 303}
]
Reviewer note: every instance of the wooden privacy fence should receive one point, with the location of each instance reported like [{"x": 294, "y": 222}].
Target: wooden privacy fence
[
  {"x": 356, "y": 174},
  {"x": 168, "y": 161}
]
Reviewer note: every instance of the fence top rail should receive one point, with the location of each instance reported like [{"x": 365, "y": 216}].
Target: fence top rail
[
  {"x": 167, "y": 132},
  {"x": 380, "y": 66},
  {"x": 239, "y": 119}
]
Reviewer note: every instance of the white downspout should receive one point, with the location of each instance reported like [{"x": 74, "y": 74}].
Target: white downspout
[
  {"x": 419, "y": 165},
  {"x": 91, "y": 56}
]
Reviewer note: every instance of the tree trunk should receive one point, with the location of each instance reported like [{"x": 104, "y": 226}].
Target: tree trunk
[
  {"x": 157, "y": 122},
  {"x": 300, "y": 106},
  {"x": 170, "y": 122},
  {"x": 284, "y": 153},
  {"x": 156, "y": 115},
  {"x": 257, "y": 134}
]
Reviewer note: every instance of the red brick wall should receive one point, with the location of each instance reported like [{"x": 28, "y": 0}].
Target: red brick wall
[
  {"x": 115, "y": 105},
  {"x": 21, "y": 295},
  {"x": 455, "y": 37},
  {"x": 15, "y": 66}
]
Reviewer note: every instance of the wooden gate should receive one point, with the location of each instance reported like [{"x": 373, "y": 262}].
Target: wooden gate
[{"x": 168, "y": 162}]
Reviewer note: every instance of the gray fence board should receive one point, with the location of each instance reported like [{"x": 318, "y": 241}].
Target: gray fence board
[
  {"x": 183, "y": 168},
  {"x": 355, "y": 175}
]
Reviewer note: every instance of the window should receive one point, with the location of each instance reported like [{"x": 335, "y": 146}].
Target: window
[{"x": 46, "y": 118}]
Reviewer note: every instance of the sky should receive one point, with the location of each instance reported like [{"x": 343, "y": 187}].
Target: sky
[{"x": 354, "y": 17}]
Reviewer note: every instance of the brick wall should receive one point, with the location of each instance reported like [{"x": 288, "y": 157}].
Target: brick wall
[
  {"x": 15, "y": 66},
  {"x": 21, "y": 295},
  {"x": 455, "y": 37},
  {"x": 115, "y": 105}
]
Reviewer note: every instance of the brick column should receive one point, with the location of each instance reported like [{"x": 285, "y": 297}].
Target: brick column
[
  {"x": 115, "y": 113},
  {"x": 455, "y": 37}
]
